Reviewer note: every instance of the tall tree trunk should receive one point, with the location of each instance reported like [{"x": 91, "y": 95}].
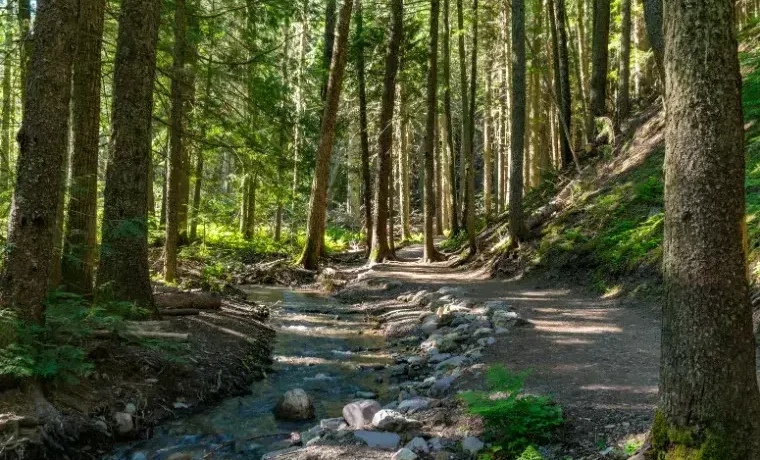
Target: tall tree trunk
[
  {"x": 487, "y": 142},
  {"x": 469, "y": 202},
  {"x": 80, "y": 243},
  {"x": 709, "y": 397},
  {"x": 245, "y": 190},
  {"x": 329, "y": 45},
  {"x": 454, "y": 212},
  {"x": 364, "y": 136},
  {"x": 466, "y": 139},
  {"x": 318, "y": 202},
  {"x": 564, "y": 96},
  {"x": 405, "y": 180},
  {"x": 599, "y": 62},
  {"x": 176, "y": 146},
  {"x": 7, "y": 108},
  {"x": 430, "y": 254},
  {"x": 517, "y": 230},
  {"x": 123, "y": 272},
  {"x": 25, "y": 46},
  {"x": 653, "y": 24},
  {"x": 437, "y": 168},
  {"x": 43, "y": 143},
  {"x": 623, "y": 96},
  {"x": 380, "y": 250},
  {"x": 250, "y": 231}
]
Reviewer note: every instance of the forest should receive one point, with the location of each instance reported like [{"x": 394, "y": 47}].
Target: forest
[{"x": 488, "y": 229}]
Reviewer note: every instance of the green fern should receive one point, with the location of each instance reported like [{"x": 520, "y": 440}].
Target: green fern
[{"x": 513, "y": 420}]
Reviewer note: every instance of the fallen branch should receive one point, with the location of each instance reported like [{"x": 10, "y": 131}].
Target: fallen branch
[
  {"x": 180, "y": 312},
  {"x": 181, "y": 337},
  {"x": 185, "y": 300}
]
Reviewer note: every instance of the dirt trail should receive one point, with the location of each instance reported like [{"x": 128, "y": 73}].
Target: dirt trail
[{"x": 598, "y": 356}]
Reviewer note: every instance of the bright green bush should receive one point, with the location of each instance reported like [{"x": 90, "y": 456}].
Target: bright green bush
[{"x": 513, "y": 420}]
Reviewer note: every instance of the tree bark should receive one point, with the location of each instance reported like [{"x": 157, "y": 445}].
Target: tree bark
[
  {"x": 710, "y": 402},
  {"x": 24, "y": 46},
  {"x": 363, "y": 134},
  {"x": 466, "y": 138},
  {"x": 517, "y": 230},
  {"x": 43, "y": 143},
  {"x": 469, "y": 202},
  {"x": 80, "y": 242},
  {"x": 653, "y": 24},
  {"x": 564, "y": 106},
  {"x": 599, "y": 62},
  {"x": 318, "y": 201},
  {"x": 624, "y": 78},
  {"x": 405, "y": 177},
  {"x": 176, "y": 146},
  {"x": 7, "y": 108},
  {"x": 380, "y": 250},
  {"x": 454, "y": 212},
  {"x": 487, "y": 142},
  {"x": 430, "y": 254},
  {"x": 123, "y": 272}
]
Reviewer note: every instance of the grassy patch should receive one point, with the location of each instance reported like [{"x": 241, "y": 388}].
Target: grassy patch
[{"x": 514, "y": 421}]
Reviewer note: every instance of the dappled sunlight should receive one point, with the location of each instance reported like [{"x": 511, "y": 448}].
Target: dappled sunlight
[
  {"x": 566, "y": 328},
  {"x": 647, "y": 389}
]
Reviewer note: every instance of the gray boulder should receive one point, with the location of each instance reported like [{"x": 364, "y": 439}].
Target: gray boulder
[
  {"x": 295, "y": 405},
  {"x": 410, "y": 406},
  {"x": 404, "y": 454},
  {"x": 472, "y": 445},
  {"x": 360, "y": 413},
  {"x": 390, "y": 420}
]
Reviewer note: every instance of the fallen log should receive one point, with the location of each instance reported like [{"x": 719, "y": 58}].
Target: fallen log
[
  {"x": 187, "y": 300},
  {"x": 180, "y": 312},
  {"x": 178, "y": 336}
]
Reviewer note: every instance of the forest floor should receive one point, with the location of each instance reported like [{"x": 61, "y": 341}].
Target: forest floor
[{"x": 597, "y": 355}]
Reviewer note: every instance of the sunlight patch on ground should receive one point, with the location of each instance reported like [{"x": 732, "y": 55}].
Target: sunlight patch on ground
[
  {"x": 566, "y": 328},
  {"x": 626, "y": 388},
  {"x": 568, "y": 341}
]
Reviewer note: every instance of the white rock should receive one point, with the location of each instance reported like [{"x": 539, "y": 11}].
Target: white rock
[
  {"x": 404, "y": 454},
  {"x": 472, "y": 444},
  {"x": 295, "y": 405},
  {"x": 130, "y": 408},
  {"x": 390, "y": 420},
  {"x": 124, "y": 422},
  {"x": 449, "y": 290},
  {"x": 360, "y": 413}
]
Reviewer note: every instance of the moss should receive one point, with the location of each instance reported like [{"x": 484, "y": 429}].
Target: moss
[{"x": 679, "y": 443}]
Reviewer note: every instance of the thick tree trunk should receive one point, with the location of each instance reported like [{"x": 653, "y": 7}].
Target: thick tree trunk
[
  {"x": 430, "y": 254},
  {"x": 329, "y": 45},
  {"x": 454, "y": 211},
  {"x": 177, "y": 147},
  {"x": 318, "y": 202},
  {"x": 517, "y": 230},
  {"x": 123, "y": 272},
  {"x": 43, "y": 143},
  {"x": 710, "y": 403},
  {"x": 80, "y": 243},
  {"x": 599, "y": 62},
  {"x": 624, "y": 77},
  {"x": 380, "y": 250},
  {"x": 438, "y": 167}
]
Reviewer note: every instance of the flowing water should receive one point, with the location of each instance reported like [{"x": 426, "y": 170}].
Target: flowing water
[{"x": 321, "y": 347}]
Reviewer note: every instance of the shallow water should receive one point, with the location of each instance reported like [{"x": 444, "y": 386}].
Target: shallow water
[{"x": 321, "y": 347}]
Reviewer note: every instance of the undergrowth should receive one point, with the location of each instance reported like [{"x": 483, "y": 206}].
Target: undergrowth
[
  {"x": 57, "y": 350},
  {"x": 514, "y": 421}
]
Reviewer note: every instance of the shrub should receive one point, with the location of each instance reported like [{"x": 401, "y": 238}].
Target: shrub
[
  {"x": 56, "y": 350},
  {"x": 513, "y": 421}
]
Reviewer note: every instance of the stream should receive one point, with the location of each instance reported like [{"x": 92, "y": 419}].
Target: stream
[{"x": 321, "y": 347}]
